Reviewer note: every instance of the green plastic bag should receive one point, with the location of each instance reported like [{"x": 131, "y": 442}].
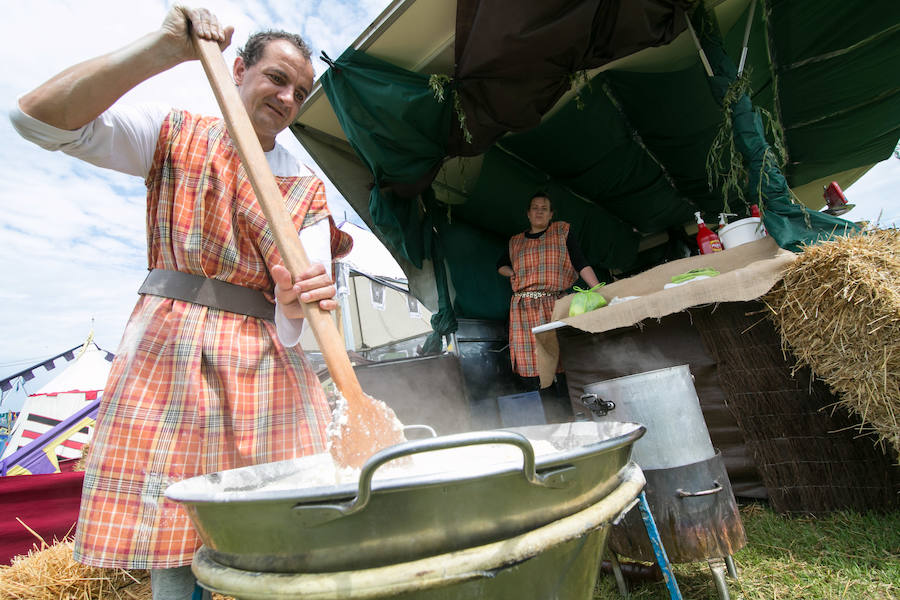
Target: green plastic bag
[{"x": 586, "y": 300}]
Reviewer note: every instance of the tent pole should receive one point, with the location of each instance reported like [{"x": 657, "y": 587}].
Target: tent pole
[
  {"x": 703, "y": 59},
  {"x": 343, "y": 294},
  {"x": 746, "y": 37}
]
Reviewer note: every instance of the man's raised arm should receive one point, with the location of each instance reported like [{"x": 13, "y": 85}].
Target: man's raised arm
[{"x": 82, "y": 92}]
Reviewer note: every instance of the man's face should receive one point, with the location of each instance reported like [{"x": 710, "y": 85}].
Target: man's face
[
  {"x": 539, "y": 213},
  {"x": 274, "y": 88}
]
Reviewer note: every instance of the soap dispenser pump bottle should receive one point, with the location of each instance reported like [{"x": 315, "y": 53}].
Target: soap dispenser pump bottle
[{"x": 707, "y": 241}]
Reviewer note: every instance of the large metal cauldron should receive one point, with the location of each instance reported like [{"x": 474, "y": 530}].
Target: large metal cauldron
[
  {"x": 256, "y": 519},
  {"x": 557, "y": 560}
]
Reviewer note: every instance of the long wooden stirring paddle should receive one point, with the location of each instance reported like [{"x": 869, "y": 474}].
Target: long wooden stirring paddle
[{"x": 364, "y": 425}]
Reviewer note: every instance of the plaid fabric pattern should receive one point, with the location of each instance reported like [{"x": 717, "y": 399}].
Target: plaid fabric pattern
[
  {"x": 192, "y": 389},
  {"x": 540, "y": 265}
]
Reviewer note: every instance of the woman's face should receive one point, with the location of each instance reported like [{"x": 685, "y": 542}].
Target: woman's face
[{"x": 539, "y": 213}]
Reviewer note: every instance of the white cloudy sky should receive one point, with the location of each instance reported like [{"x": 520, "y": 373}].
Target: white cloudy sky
[
  {"x": 72, "y": 242},
  {"x": 72, "y": 245}
]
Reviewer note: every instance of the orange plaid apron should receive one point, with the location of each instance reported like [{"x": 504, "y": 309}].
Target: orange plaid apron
[
  {"x": 539, "y": 265},
  {"x": 193, "y": 389}
]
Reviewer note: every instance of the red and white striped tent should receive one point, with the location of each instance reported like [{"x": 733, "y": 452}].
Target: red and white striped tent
[{"x": 80, "y": 383}]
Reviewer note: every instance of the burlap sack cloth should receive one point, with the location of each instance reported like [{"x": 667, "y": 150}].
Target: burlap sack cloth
[{"x": 745, "y": 273}]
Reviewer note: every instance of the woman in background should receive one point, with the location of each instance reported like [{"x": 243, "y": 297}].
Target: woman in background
[{"x": 542, "y": 263}]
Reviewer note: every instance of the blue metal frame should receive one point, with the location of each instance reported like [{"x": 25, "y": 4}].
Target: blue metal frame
[{"x": 661, "y": 558}]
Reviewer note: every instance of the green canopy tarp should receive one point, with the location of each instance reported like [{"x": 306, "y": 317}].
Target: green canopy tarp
[{"x": 624, "y": 159}]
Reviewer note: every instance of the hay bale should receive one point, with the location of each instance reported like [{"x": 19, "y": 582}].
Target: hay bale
[
  {"x": 49, "y": 572},
  {"x": 838, "y": 311}
]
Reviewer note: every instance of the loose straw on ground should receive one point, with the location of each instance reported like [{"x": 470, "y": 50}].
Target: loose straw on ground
[
  {"x": 838, "y": 310},
  {"x": 48, "y": 572}
]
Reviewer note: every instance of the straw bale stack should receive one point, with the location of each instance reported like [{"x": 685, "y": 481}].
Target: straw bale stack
[
  {"x": 50, "y": 573},
  {"x": 838, "y": 310}
]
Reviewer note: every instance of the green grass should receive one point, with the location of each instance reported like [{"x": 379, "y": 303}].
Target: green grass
[{"x": 843, "y": 555}]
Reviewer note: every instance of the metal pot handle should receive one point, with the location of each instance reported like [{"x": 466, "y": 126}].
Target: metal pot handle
[
  {"x": 426, "y": 428},
  {"x": 317, "y": 514},
  {"x": 683, "y": 494},
  {"x": 597, "y": 405}
]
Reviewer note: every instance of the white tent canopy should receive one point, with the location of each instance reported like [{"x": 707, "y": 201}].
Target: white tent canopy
[
  {"x": 79, "y": 384},
  {"x": 369, "y": 256},
  {"x": 86, "y": 373}
]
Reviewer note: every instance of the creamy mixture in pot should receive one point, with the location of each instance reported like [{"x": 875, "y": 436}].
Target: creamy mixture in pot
[{"x": 320, "y": 469}]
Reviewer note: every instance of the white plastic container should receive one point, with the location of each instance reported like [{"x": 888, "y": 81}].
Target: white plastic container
[{"x": 741, "y": 231}]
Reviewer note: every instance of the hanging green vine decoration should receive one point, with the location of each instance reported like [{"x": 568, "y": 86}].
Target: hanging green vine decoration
[
  {"x": 579, "y": 80},
  {"x": 437, "y": 83},
  {"x": 725, "y": 164}
]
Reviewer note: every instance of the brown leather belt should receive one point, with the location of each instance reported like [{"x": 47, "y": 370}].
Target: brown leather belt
[{"x": 213, "y": 293}]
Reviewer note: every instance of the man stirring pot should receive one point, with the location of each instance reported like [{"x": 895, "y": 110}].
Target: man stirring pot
[{"x": 201, "y": 382}]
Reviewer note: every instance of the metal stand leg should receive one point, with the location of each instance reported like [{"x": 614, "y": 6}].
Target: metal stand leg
[
  {"x": 732, "y": 568},
  {"x": 617, "y": 571},
  {"x": 661, "y": 559},
  {"x": 717, "y": 566}
]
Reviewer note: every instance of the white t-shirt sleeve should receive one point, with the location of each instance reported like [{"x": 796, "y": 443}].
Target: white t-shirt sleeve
[
  {"x": 317, "y": 243},
  {"x": 122, "y": 139}
]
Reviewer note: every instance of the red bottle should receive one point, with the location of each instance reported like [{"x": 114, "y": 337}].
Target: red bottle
[{"x": 707, "y": 241}]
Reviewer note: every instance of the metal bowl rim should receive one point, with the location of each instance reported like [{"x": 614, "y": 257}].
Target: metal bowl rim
[{"x": 177, "y": 493}]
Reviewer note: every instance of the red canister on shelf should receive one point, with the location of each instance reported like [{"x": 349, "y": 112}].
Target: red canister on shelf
[{"x": 707, "y": 241}]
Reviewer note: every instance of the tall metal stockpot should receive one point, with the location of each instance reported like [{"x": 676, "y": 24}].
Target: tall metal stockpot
[
  {"x": 665, "y": 402},
  {"x": 688, "y": 490}
]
